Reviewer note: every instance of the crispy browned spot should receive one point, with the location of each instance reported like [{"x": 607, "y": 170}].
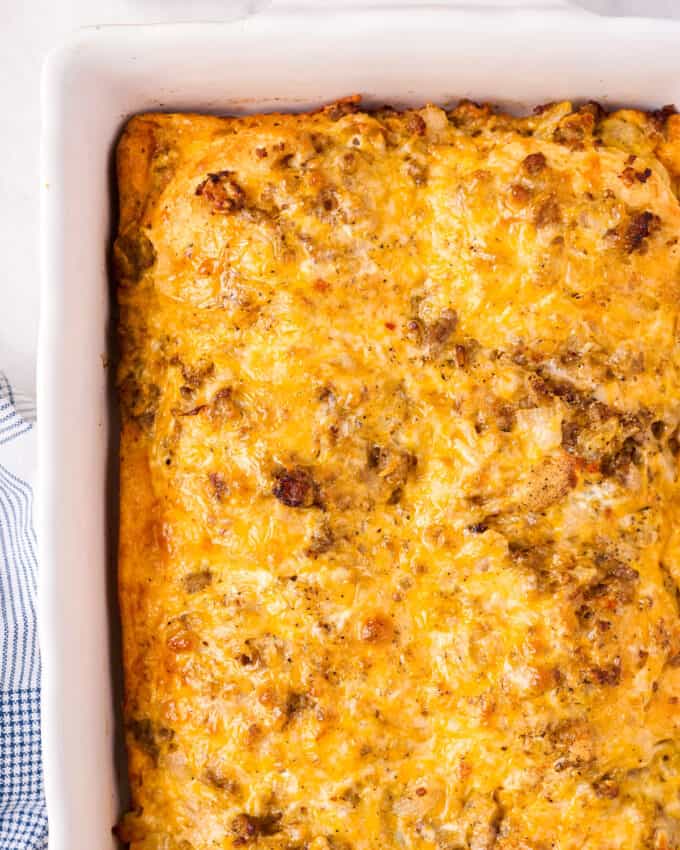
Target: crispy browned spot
[
  {"x": 606, "y": 787},
  {"x": 222, "y": 192},
  {"x": 520, "y": 194},
  {"x": 219, "y": 485},
  {"x": 609, "y": 674},
  {"x": 296, "y": 703},
  {"x": 322, "y": 540},
  {"x": 248, "y": 828},
  {"x": 415, "y": 123},
  {"x": 393, "y": 466},
  {"x": 547, "y": 213},
  {"x": 139, "y": 399},
  {"x": 436, "y": 335},
  {"x": 640, "y": 227},
  {"x": 629, "y": 175},
  {"x": 344, "y": 106},
  {"x": 617, "y": 464},
  {"x": 660, "y": 116},
  {"x": 592, "y": 107},
  {"x": 148, "y": 736},
  {"x": 534, "y": 163},
  {"x": 295, "y": 487}
]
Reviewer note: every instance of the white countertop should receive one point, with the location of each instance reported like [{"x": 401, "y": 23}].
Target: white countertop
[{"x": 29, "y": 29}]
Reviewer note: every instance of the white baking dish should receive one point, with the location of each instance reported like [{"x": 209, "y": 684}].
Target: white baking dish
[{"x": 279, "y": 60}]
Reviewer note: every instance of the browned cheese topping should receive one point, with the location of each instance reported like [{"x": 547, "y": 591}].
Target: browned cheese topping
[{"x": 400, "y": 536}]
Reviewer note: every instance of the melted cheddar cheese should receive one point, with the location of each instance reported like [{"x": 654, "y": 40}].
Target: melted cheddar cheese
[{"x": 400, "y": 540}]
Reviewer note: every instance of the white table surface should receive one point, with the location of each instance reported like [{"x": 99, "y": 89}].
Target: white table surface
[{"x": 28, "y": 29}]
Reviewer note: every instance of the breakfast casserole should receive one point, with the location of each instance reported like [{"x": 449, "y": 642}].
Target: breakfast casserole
[{"x": 400, "y": 508}]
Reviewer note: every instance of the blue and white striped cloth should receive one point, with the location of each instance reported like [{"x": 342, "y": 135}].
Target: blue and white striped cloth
[{"x": 23, "y": 816}]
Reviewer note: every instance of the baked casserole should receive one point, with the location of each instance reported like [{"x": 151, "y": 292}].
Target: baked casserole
[{"x": 400, "y": 509}]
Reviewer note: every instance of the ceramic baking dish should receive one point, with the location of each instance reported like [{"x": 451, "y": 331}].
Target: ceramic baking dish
[{"x": 279, "y": 59}]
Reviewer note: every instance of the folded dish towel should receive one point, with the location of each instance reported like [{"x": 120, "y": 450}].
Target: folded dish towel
[{"x": 23, "y": 816}]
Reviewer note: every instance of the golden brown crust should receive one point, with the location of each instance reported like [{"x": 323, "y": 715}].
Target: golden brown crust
[
  {"x": 399, "y": 550},
  {"x": 133, "y": 167}
]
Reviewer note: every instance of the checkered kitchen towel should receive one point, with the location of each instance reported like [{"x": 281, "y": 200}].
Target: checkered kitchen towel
[{"x": 23, "y": 816}]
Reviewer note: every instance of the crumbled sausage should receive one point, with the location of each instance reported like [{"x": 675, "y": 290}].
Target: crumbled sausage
[
  {"x": 147, "y": 736},
  {"x": 219, "y": 485},
  {"x": 222, "y": 192},
  {"x": 195, "y": 582},
  {"x": 415, "y": 123},
  {"x": 328, "y": 200},
  {"x": 623, "y": 573},
  {"x": 393, "y": 466},
  {"x": 658, "y": 427},
  {"x": 674, "y": 442},
  {"x": 547, "y": 213},
  {"x": 640, "y": 227},
  {"x": 540, "y": 108},
  {"x": 194, "y": 376},
  {"x": 442, "y": 328},
  {"x": 139, "y": 399},
  {"x": 395, "y": 496},
  {"x": 223, "y": 405},
  {"x": 534, "y": 163},
  {"x": 617, "y": 584},
  {"x": 247, "y": 828},
  {"x": 344, "y": 106},
  {"x": 217, "y": 779},
  {"x": 296, "y": 703},
  {"x": 436, "y": 335},
  {"x": 143, "y": 733},
  {"x": 417, "y": 171},
  {"x": 285, "y": 161},
  {"x": 609, "y": 674},
  {"x": 660, "y": 116},
  {"x": 520, "y": 194},
  {"x": 133, "y": 254},
  {"x": 572, "y": 130},
  {"x": 321, "y": 541},
  {"x": 570, "y": 432},
  {"x": 592, "y": 107},
  {"x": 296, "y": 488},
  {"x": 550, "y": 386},
  {"x": 606, "y": 787},
  {"x": 505, "y": 417},
  {"x": 348, "y": 162},
  {"x": 628, "y": 175},
  {"x": 617, "y": 465}
]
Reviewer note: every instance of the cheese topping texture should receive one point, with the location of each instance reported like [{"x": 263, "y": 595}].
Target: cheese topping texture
[{"x": 400, "y": 512}]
